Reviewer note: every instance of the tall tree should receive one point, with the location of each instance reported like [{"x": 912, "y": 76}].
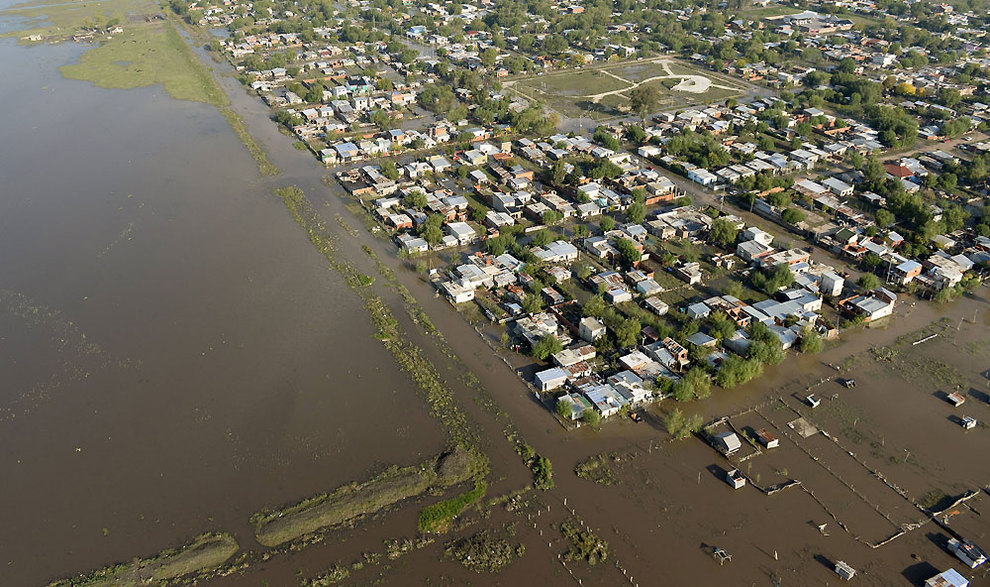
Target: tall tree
[{"x": 644, "y": 99}]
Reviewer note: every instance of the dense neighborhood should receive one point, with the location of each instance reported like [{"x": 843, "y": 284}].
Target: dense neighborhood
[{"x": 673, "y": 247}]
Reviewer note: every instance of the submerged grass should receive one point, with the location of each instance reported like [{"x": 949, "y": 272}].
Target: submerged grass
[
  {"x": 202, "y": 554},
  {"x": 148, "y": 52},
  {"x": 52, "y": 20},
  {"x": 439, "y": 516},
  {"x": 350, "y": 501}
]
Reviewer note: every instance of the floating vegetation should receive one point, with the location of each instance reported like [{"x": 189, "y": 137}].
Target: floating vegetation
[
  {"x": 585, "y": 545},
  {"x": 205, "y": 552},
  {"x": 597, "y": 469},
  {"x": 77, "y": 356},
  {"x": 484, "y": 552},
  {"x": 333, "y": 575},
  {"x": 932, "y": 499},
  {"x": 397, "y": 547}
]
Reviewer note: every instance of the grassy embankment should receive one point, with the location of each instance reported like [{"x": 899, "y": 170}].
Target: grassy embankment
[
  {"x": 146, "y": 53},
  {"x": 411, "y": 359},
  {"x": 203, "y": 553},
  {"x": 357, "y": 499}
]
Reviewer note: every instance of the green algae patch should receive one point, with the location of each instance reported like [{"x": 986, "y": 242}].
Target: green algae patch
[
  {"x": 357, "y": 499},
  {"x": 204, "y": 553}
]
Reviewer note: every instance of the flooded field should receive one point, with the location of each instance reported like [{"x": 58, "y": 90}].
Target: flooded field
[
  {"x": 176, "y": 354},
  {"x": 179, "y": 354}
]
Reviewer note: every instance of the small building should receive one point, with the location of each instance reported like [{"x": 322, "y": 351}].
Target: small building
[
  {"x": 591, "y": 329},
  {"x": 735, "y": 479},
  {"x": 463, "y": 232},
  {"x": 968, "y": 422},
  {"x": 727, "y": 442},
  {"x": 550, "y": 379},
  {"x": 955, "y": 399},
  {"x": 949, "y": 578},
  {"x": 689, "y": 273},
  {"x": 767, "y": 439},
  {"x": 576, "y": 405},
  {"x": 845, "y": 571},
  {"x": 831, "y": 284},
  {"x": 656, "y": 305},
  {"x": 967, "y": 552}
]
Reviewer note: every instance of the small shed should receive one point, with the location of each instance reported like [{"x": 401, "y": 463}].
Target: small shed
[
  {"x": 735, "y": 479},
  {"x": 727, "y": 441},
  {"x": 767, "y": 439},
  {"x": 845, "y": 571},
  {"x": 955, "y": 399},
  {"x": 949, "y": 578}
]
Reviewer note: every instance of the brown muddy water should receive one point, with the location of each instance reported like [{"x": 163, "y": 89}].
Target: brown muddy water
[{"x": 175, "y": 354}]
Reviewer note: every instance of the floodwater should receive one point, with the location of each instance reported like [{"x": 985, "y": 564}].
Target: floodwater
[{"x": 175, "y": 354}]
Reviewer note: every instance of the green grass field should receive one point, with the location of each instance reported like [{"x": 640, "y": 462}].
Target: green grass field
[
  {"x": 602, "y": 91},
  {"x": 146, "y": 54},
  {"x": 769, "y": 11},
  {"x": 55, "y": 20},
  {"x": 573, "y": 83}
]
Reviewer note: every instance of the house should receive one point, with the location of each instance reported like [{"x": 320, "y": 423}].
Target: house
[
  {"x": 575, "y": 405},
  {"x": 556, "y": 252},
  {"x": 656, "y": 305},
  {"x": 872, "y": 306},
  {"x": 689, "y": 272},
  {"x": 767, "y": 439},
  {"x": 550, "y": 379},
  {"x": 463, "y": 232},
  {"x": 698, "y": 310},
  {"x": 949, "y": 578},
  {"x": 679, "y": 353},
  {"x": 591, "y": 329},
  {"x": 830, "y": 284},
  {"x": 572, "y": 356},
  {"x": 648, "y": 287},
  {"x": 838, "y": 187},
  {"x": 968, "y": 552},
  {"x": 702, "y": 176},
  {"x": 412, "y": 244},
  {"x": 903, "y": 273},
  {"x": 754, "y": 233},
  {"x": 727, "y": 442},
  {"x": 702, "y": 339},
  {"x": 606, "y": 399},
  {"x": 753, "y": 250}
]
